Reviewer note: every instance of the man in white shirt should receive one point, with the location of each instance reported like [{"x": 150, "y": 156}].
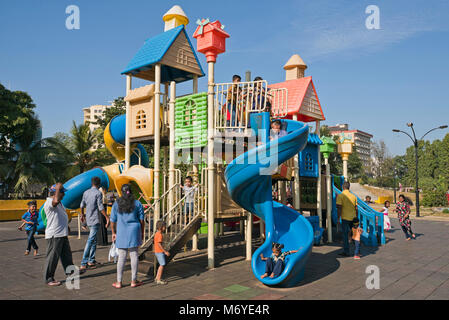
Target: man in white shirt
[{"x": 56, "y": 233}]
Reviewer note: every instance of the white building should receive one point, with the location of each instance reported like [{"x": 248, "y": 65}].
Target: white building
[
  {"x": 91, "y": 114},
  {"x": 362, "y": 142}
]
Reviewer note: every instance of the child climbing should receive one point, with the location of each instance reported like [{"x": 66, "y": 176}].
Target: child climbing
[
  {"x": 30, "y": 220},
  {"x": 159, "y": 251},
  {"x": 189, "y": 191},
  {"x": 275, "y": 263},
  {"x": 356, "y": 232}
]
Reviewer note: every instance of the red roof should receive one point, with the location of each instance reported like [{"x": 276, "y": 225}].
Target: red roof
[
  {"x": 216, "y": 25},
  {"x": 297, "y": 90}
]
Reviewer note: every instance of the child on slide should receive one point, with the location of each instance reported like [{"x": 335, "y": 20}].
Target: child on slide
[{"x": 275, "y": 263}]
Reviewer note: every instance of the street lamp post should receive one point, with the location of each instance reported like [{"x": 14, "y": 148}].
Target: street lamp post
[{"x": 415, "y": 144}]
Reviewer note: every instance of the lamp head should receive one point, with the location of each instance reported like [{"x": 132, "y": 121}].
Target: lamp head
[
  {"x": 395, "y": 130},
  {"x": 443, "y": 127},
  {"x": 410, "y": 124}
]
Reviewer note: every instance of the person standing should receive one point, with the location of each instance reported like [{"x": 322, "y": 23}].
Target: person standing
[
  {"x": 403, "y": 211},
  {"x": 56, "y": 234},
  {"x": 387, "y": 222},
  {"x": 91, "y": 208},
  {"x": 102, "y": 234},
  {"x": 127, "y": 220},
  {"x": 30, "y": 219},
  {"x": 347, "y": 211}
]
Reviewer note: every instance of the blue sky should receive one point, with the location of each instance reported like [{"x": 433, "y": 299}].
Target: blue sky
[{"x": 375, "y": 80}]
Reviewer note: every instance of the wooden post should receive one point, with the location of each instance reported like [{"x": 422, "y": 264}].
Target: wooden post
[
  {"x": 157, "y": 140},
  {"x": 128, "y": 125},
  {"x": 172, "y": 156},
  {"x": 318, "y": 185},
  {"x": 249, "y": 235},
  {"x": 211, "y": 168},
  {"x": 329, "y": 200},
  {"x": 195, "y": 167},
  {"x": 296, "y": 190}
]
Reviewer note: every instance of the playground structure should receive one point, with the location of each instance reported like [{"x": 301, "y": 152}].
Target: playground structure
[{"x": 223, "y": 134}]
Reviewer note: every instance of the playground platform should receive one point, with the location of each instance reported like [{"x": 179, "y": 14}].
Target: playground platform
[{"x": 416, "y": 269}]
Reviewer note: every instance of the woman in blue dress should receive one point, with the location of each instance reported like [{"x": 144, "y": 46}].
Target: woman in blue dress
[{"x": 127, "y": 218}]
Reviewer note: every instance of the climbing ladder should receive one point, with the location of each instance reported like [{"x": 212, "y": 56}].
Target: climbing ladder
[{"x": 180, "y": 227}]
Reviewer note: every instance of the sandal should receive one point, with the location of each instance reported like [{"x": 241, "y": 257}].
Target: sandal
[
  {"x": 136, "y": 284},
  {"x": 117, "y": 285},
  {"x": 27, "y": 252},
  {"x": 54, "y": 283}
]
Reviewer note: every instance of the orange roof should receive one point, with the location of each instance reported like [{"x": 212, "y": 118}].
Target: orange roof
[{"x": 297, "y": 90}]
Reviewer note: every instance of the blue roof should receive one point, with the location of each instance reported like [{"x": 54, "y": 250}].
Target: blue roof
[
  {"x": 153, "y": 50},
  {"x": 314, "y": 139}
]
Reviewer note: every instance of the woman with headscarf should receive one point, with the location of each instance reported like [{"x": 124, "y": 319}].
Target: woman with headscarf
[
  {"x": 403, "y": 211},
  {"x": 127, "y": 218}
]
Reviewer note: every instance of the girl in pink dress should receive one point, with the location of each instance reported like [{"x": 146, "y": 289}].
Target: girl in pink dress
[{"x": 387, "y": 222}]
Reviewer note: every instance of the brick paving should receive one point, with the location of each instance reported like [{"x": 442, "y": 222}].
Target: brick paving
[{"x": 416, "y": 269}]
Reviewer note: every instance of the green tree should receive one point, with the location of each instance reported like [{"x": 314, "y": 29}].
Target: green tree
[
  {"x": 76, "y": 150},
  {"x": 26, "y": 162},
  {"x": 16, "y": 116},
  {"x": 355, "y": 165}
]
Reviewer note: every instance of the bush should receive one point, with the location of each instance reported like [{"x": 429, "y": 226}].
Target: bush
[
  {"x": 446, "y": 211},
  {"x": 435, "y": 198}
]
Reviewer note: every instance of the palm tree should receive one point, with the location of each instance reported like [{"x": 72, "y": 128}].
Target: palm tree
[
  {"x": 83, "y": 141},
  {"x": 26, "y": 161}
]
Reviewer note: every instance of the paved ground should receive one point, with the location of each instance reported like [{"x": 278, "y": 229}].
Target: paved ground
[{"x": 416, "y": 269}]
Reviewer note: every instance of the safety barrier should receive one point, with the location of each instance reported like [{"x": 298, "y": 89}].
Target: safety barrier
[{"x": 371, "y": 221}]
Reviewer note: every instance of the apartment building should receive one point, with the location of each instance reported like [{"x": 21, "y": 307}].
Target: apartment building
[
  {"x": 91, "y": 114},
  {"x": 361, "y": 139}
]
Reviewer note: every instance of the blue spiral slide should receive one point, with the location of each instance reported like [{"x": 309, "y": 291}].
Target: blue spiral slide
[{"x": 251, "y": 189}]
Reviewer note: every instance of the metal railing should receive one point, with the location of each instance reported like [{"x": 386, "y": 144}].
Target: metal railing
[
  {"x": 233, "y": 102},
  {"x": 279, "y": 102},
  {"x": 176, "y": 217},
  {"x": 162, "y": 202}
]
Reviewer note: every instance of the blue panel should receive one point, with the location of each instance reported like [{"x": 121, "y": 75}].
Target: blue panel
[
  {"x": 117, "y": 127},
  {"x": 308, "y": 161},
  {"x": 260, "y": 123}
]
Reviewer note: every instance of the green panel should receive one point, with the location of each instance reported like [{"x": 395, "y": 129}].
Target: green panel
[{"x": 191, "y": 121}]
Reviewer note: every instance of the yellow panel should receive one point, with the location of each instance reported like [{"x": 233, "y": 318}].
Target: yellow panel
[
  {"x": 117, "y": 150},
  {"x": 142, "y": 176}
]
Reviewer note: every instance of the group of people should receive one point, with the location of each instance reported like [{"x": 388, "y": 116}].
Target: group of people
[
  {"x": 127, "y": 225},
  {"x": 347, "y": 212},
  {"x": 240, "y": 100}
]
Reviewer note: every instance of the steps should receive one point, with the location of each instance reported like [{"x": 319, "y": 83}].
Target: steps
[{"x": 174, "y": 242}]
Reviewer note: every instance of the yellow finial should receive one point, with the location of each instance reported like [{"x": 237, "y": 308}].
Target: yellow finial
[{"x": 175, "y": 17}]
